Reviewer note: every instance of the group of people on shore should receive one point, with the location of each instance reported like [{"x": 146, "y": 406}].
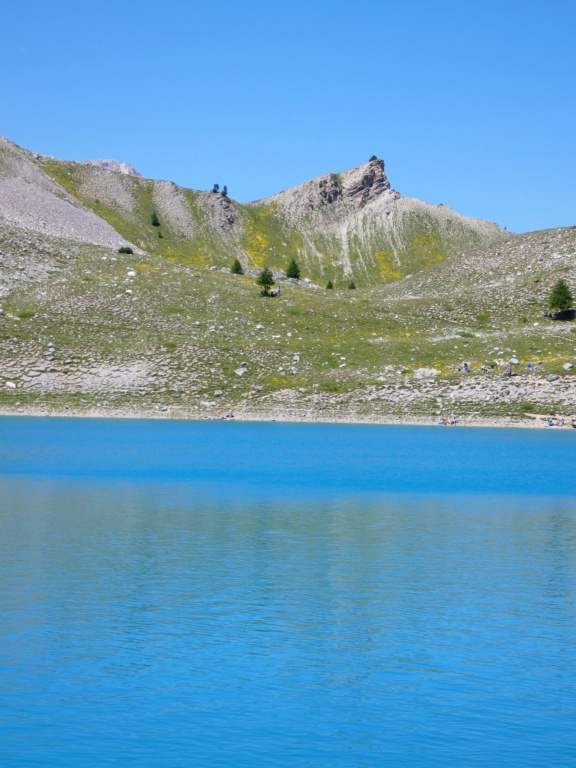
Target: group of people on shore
[
  {"x": 451, "y": 421},
  {"x": 557, "y": 422}
]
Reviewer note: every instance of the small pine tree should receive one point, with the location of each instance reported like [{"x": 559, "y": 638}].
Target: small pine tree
[
  {"x": 237, "y": 268},
  {"x": 154, "y": 219},
  {"x": 225, "y": 191},
  {"x": 293, "y": 270},
  {"x": 125, "y": 249},
  {"x": 561, "y": 296},
  {"x": 373, "y": 158},
  {"x": 266, "y": 280},
  {"x": 351, "y": 285},
  {"x": 329, "y": 286},
  {"x": 216, "y": 187}
]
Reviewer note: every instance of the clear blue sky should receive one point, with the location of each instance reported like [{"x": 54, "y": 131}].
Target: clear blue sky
[{"x": 471, "y": 104}]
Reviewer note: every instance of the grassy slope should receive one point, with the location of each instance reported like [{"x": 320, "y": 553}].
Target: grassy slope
[
  {"x": 193, "y": 327},
  {"x": 376, "y": 256}
]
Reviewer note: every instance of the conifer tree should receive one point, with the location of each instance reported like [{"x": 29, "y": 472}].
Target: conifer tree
[
  {"x": 293, "y": 270},
  {"x": 237, "y": 267},
  {"x": 351, "y": 285},
  {"x": 329, "y": 286},
  {"x": 266, "y": 280},
  {"x": 561, "y": 296},
  {"x": 154, "y": 219}
]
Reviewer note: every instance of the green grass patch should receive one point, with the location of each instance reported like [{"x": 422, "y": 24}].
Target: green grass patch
[{"x": 173, "y": 309}]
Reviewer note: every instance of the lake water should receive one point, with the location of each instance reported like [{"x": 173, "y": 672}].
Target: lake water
[{"x": 220, "y": 594}]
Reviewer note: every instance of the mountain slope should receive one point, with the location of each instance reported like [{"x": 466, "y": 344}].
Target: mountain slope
[
  {"x": 88, "y": 329},
  {"x": 352, "y": 225},
  {"x": 343, "y": 226},
  {"x": 32, "y": 200}
]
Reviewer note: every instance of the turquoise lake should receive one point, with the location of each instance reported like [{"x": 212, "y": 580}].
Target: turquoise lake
[{"x": 236, "y": 594}]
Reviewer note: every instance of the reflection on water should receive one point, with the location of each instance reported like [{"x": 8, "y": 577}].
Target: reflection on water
[{"x": 171, "y": 623}]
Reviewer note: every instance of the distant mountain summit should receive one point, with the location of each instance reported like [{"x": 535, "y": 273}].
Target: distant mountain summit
[{"x": 116, "y": 166}]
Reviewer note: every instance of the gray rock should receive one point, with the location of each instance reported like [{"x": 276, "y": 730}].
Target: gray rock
[
  {"x": 514, "y": 361},
  {"x": 240, "y": 371},
  {"x": 422, "y": 373},
  {"x": 114, "y": 165},
  {"x": 567, "y": 366},
  {"x": 258, "y": 388},
  {"x": 552, "y": 377},
  {"x": 218, "y": 393}
]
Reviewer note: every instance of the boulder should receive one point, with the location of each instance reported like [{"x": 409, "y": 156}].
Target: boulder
[
  {"x": 218, "y": 393},
  {"x": 240, "y": 371},
  {"x": 10, "y": 385},
  {"x": 422, "y": 373},
  {"x": 567, "y": 366},
  {"x": 514, "y": 361},
  {"x": 552, "y": 377}
]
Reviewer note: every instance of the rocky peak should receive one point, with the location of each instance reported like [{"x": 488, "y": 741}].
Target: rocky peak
[
  {"x": 116, "y": 166},
  {"x": 364, "y": 183}
]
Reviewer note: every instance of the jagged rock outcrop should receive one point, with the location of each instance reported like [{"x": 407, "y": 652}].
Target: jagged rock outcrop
[{"x": 365, "y": 183}]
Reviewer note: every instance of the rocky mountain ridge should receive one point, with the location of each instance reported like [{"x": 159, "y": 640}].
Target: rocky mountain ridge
[{"x": 344, "y": 226}]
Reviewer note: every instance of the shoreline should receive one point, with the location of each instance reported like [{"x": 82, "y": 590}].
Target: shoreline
[{"x": 534, "y": 421}]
